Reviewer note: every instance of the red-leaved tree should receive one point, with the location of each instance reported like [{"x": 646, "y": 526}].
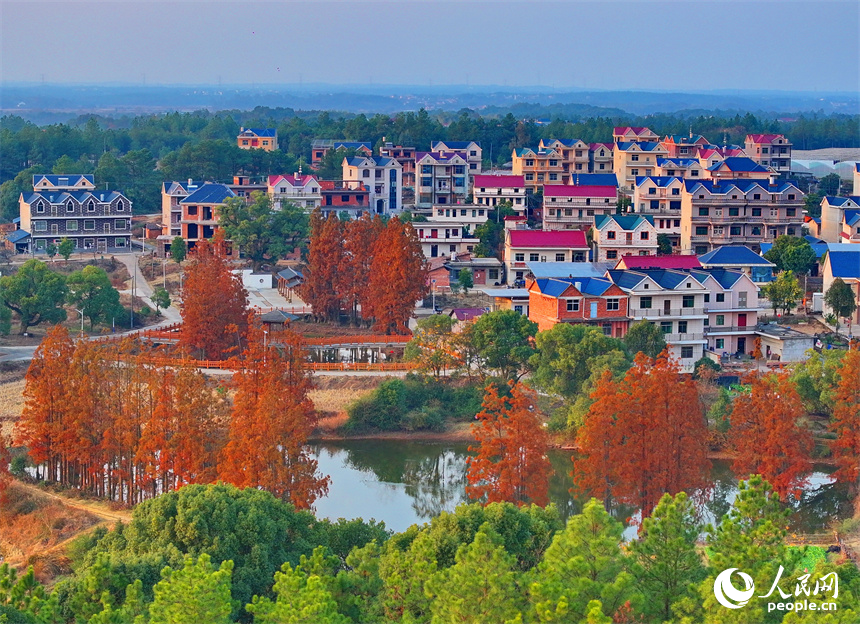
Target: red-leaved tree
[
  {"x": 846, "y": 421},
  {"x": 643, "y": 436},
  {"x": 511, "y": 462},
  {"x": 767, "y": 435},
  {"x": 327, "y": 268}
]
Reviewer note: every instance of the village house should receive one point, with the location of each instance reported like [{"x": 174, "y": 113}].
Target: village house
[
  {"x": 445, "y": 270},
  {"x": 265, "y": 139},
  {"x": 199, "y": 218},
  {"x": 538, "y": 167},
  {"x": 769, "y": 150},
  {"x": 680, "y": 167},
  {"x": 69, "y": 206},
  {"x": 844, "y": 263},
  {"x": 746, "y": 212},
  {"x": 635, "y": 159},
  {"x": 628, "y": 134},
  {"x": 675, "y": 301},
  {"x": 516, "y": 299},
  {"x": 567, "y": 207},
  {"x": 660, "y": 198},
  {"x": 441, "y": 179},
  {"x": 573, "y": 152},
  {"x": 171, "y": 211},
  {"x": 523, "y": 246},
  {"x": 383, "y": 178},
  {"x": 405, "y": 156},
  {"x": 732, "y": 306},
  {"x": 616, "y": 236},
  {"x": 840, "y": 219},
  {"x": 344, "y": 196},
  {"x": 740, "y": 258},
  {"x": 600, "y": 159},
  {"x": 683, "y": 147},
  {"x": 491, "y": 190},
  {"x": 320, "y": 147},
  {"x": 470, "y": 151},
  {"x": 245, "y": 187},
  {"x": 449, "y": 230},
  {"x": 300, "y": 189},
  {"x": 738, "y": 168},
  {"x": 591, "y": 301}
]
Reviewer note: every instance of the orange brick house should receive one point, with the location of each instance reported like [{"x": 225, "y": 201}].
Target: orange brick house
[{"x": 592, "y": 301}]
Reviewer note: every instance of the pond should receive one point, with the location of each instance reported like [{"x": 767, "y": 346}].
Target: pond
[{"x": 403, "y": 483}]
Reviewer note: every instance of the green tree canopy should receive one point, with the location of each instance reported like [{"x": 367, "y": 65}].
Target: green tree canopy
[
  {"x": 66, "y": 248},
  {"x": 301, "y": 599},
  {"x": 91, "y": 292},
  {"x": 262, "y": 232},
  {"x": 465, "y": 280},
  {"x": 504, "y": 342},
  {"x": 790, "y": 253},
  {"x": 783, "y": 292},
  {"x": 161, "y": 298},
  {"x": 645, "y": 337},
  {"x": 35, "y": 293},
  {"x": 178, "y": 249},
  {"x": 194, "y": 593},
  {"x": 840, "y": 298}
]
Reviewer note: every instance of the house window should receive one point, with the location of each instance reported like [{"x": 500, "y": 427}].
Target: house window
[
  {"x": 790, "y": 212},
  {"x": 530, "y": 176},
  {"x": 676, "y": 192},
  {"x": 634, "y": 172},
  {"x": 533, "y": 257},
  {"x": 553, "y": 176},
  {"x": 493, "y": 274},
  {"x": 720, "y": 343},
  {"x": 607, "y": 329},
  {"x": 791, "y": 196},
  {"x": 120, "y": 206},
  {"x": 89, "y": 224},
  {"x": 119, "y": 224},
  {"x": 612, "y": 254},
  {"x": 720, "y": 320},
  {"x": 70, "y": 207},
  {"x": 71, "y": 226},
  {"x": 703, "y": 212},
  {"x": 688, "y": 301},
  {"x": 612, "y": 304},
  {"x": 645, "y": 303},
  {"x": 518, "y": 309},
  {"x": 610, "y": 235},
  {"x": 756, "y": 212},
  {"x": 573, "y": 305},
  {"x": 365, "y": 173},
  {"x": 790, "y": 231},
  {"x": 40, "y": 226},
  {"x": 682, "y": 327},
  {"x": 721, "y": 297},
  {"x": 735, "y": 230},
  {"x": 734, "y": 212},
  {"x": 40, "y": 207},
  {"x": 666, "y": 327},
  {"x": 635, "y": 158},
  {"x": 687, "y": 352},
  {"x": 520, "y": 257},
  {"x": 119, "y": 242},
  {"x": 701, "y": 230},
  {"x": 707, "y": 297},
  {"x": 559, "y": 257},
  {"x": 652, "y": 191},
  {"x": 643, "y": 235}
]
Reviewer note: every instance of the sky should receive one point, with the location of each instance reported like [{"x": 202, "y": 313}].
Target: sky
[{"x": 645, "y": 45}]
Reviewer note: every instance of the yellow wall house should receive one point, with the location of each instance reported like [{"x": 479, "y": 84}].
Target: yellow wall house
[{"x": 258, "y": 138}]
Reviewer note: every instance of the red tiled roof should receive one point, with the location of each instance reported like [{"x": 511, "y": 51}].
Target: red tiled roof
[
  {"x": 763, "y": 138},
  {"x": 329, "y": 185},
  {"x": 516, "y": 218},
  {"x": 467, "y": 314},
  {"x": 570, "y": 239},
  {"x": 292, "y": 180},
  {"x": 565, "y": 190},
  {"x": 624, "y": 129},
  {"x": 500, "y": 181},
  {"x": 594, "y": 146},
  {"x": 660, "y": 262}
]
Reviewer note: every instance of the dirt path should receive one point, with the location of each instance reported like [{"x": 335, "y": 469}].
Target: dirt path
[{"x": 96, "y": 508}]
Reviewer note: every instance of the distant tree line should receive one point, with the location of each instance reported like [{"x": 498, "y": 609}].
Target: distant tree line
[{"x": 136, "y": 154}]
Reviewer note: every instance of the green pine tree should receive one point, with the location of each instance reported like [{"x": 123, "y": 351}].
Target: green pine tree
[
  {"x": 197, "y": 592},
  {"x": 301, "y": 599}
]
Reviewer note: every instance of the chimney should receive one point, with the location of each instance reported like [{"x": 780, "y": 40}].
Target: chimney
[
  {"x": 453, "y": 256},
  {"x": 242, "y": 129},
  {"x": 190, "y": 181},
  {"x": 578, "y": 286}
]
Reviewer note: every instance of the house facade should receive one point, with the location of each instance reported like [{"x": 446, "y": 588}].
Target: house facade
[
  {"x": 740, "y": 258},
  {"x": 567, "y": 207},
  {"x": 839, "y": 219},
  {"x": 383, "y": 176},
  {"x": 448, "y": 232},
  {"x": 745, "y": 212},
  {"x": 770, "y": 150},
  {"x": 739, "y": 168},
  {"x": 320, "y": 147},
  {"x": 616, "y": 236},
  {"x": 441, "y": 179},
  {"x": 300, "y": 189},
  {"x": 470, "y": 151},
  {"x": 523, "y": 246},
  {"x": 539, "y": 167},
  {"x": 600, "y": 158},
  {"x": 844, "y": 264},
  {"x": 591, "y": 301},
  {"x": 660, "y": 197},
  {"x": 573, "y": 152},
  {"x": 627, "y": 134},
  {"x": 69, "y": 206},
  {"x": 344, "y": 196},
  {"x": 405, "y": 156},
  {"x": 732, "y": 306},
  {"x": 171, "y": 211},
  {"x": 635, "y": 159},
  {"x": 491, "y": 190},
  {"x": 265, "y": 139},
  {"x": 199, "y": 219}
]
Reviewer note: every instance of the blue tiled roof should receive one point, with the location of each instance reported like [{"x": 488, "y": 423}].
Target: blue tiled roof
[
  {"x": 735, "y": 255},
  {"x": 837, "y": 201},
  {"x": 352, "y": 144},
  {"x": 209, "y": 193},
  {"x": 379, "y": 161},
  {"x": 261, "y": 132},
  {"x": 59, "y": 197},
  {"x": 16, "y": 220},
  {"x": 17, "y": 236},
  {"x": 184, "y": 184},
  {"x": 625, "y": 222},
  {"x": 454, "y": 145},
  {"x": 721, "y": 187},
  {"x": 552, "y": 287},
  {"x": 852, "y": 216},
  {"x": 71, "y": 179},
  {"x": 658, "y": 180},
  {"x": 625, "y": 279},
  {"x": 645, "y": 146},
  {"x": 844, "y": 263},
  {"x": 724, "y": 277},
  {"x": 739, "y": 164},
  {"x": 593, "y": 179},
  {"x": 555, "y": 287},
  {"x": 678, "y": 162}
]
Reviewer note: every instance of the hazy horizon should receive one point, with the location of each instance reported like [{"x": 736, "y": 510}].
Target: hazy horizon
[{"x": 644, "y": 45}]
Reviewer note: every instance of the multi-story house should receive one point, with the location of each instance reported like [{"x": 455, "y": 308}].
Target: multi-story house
[
  {"x": 616, "y": 236},
  {"x": 491, "y": 190},
  {"x": 245, "y": 187},
  {"x": 680, "y": 146},
  {"x": 592, "y": 301},
  {"x": 838, "y": 217},
  {"x": 538, "y": 167},
  {"x": 745, "y": 212},
  {"x": 405, "y": 156},
  {"x": 660, "y": 198},
  {"x": 441, "y": 179},
  {"x": 632, "y": 160},
  {"x": 680, "y": 167},
  {"x": 470, "y": 151},
  {"x": 844, "y": 263},
  {"x": 344, "y": 196},
  {"x": 382, "y": 176},
  {"x": 573, "y": 152},
  {"x": 265, "y": 139},
  {"x": 713, "y": 155},
  {"x": 300, "y": 189},
  {"x": 567, "y": 207},
  {"x": 171, "y": 211},
  {"x": 770, "y": 150},
  {"x": 739, "y": 168},
  {"x": 320, "y": 147},
  {"x": 600, "y": 157},
  {"x": 732, "y": 306},
  {"x": 523, "y": 246},
  {"x": 633, "y": 134},
  {"x": 444, "y": 235},
  {"x": 856, "y": 175},
  {"x": 69, "y": 206},
  {"x": 674, "y": 301},
  {"x": 199, "y": 219},
  {"x": 636, "y": 263}
]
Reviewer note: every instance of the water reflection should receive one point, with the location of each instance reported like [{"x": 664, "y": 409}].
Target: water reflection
[{"x": 402, "y": 483}]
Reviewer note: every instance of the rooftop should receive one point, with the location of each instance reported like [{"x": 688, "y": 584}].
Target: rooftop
[
  {"x": 568, "y": 239},
  {"x": 734, "y": 255}
]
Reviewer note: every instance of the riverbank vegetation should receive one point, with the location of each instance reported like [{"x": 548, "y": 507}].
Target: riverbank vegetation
[{"x": 244, "y": 555}]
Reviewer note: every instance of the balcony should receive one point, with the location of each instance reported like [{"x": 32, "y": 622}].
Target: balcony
[
  {"x": 649, "y": 313},
  {"x": 685, "y": 337},
  {"x": 729, "y": 329}
]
